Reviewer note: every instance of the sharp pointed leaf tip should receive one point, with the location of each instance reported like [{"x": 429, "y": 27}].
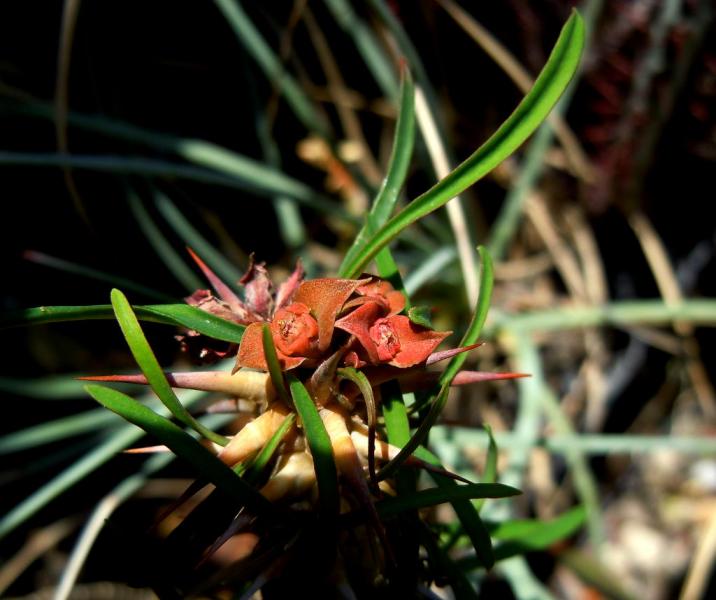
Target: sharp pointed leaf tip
[
  {"x": 468, "y": 377},
  {"x": 444, "y": 354},
  {"x": 223, "y": 290}
]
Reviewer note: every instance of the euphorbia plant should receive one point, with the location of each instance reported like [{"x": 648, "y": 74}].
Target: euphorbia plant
[{"x": 324, "y": 363}]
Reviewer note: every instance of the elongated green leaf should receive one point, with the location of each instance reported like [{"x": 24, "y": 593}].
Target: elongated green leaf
[
  {"x": 176, "y": 265},
  {"x": 274, "y": 366},
  {"x": 182, "y": 444},
  {"x": 224, "y": 168},
  {"x": 372, "y": 52},
  {"x": 439, "y": 495},
  {"x": 320, "y": 445},
  {"x": 443, "y": 563},
  {"x": 466, "y": 513},
  {"x": 366, "y": 390},
  {"x": 258, "y": 466},
  {"x": 384, "y": 203},
  {"x": 257, "y": 47},
  {"x": 84, "y": 271},
  {"x": 192, "y": 238},
  {"x": 67, "y": 478},
  {"x": 533, "y": 109},
  {"x": 490, "y": 474},
  {"x": 182, "y": 315},
  {"x": 51, "y": 431},
  {"x": 522, "y": 536},
  {"x": 397, "y": 426},
  {"x": 471, "y": 335},
  {"x": 149, "y": 365}
]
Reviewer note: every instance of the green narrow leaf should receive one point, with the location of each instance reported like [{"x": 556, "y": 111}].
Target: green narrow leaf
[
  {"x": 387, "y": 197},
  {"x": 170, "y": 257},
  {"x": 397, "y": 426},
  {"x": 258, "y": 466},
  {"x": 461, "y": 587},
  {"x": 149, "y": 365},
  {"x": 490, "y": 474},
  {"x": 83, "y": 271},
  {"x": 466, "y": 513},
  {"x": 274, "y": 366},
  {"x": 251, "y": 39},
  {"x": 359, "y": 379},
  {"x": 471, "y": 335},
  {"x": 222, "y": 168},
  {"x": 533, "y": 109},
  {"x": 439, "y": 495},
  {"x": 479, "y": 316},
  {"x": 208, "y": 466},
  {"x": 182, "y": 315},
  {"x": 197, "y": 242},
  {"x": 320, "y": 445},
  {"x": 518, "y": 537}
]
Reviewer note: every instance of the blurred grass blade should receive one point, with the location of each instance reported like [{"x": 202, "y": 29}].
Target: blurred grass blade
[
  {"x": 250, "y": 38},
  {"x": 387, "y": 197},
  {"x": 194, "y": 240},
  {"x": 224, "y": 168},
  {"x": 439, "y": 495},
  {"x": 81, "y": 270},
  {"x": 320, "y": 445},
  {"x": 474, "y": 329},
  {"x": 374, "y": 57},
  {"x": 59, "y": 429},
  {"x": 442, "y": 563},
  {"x": 490, "y": 474},
  {"x": 149, "y": 365},
  {"x": 115, "y": 442},
  {"x": 466, "y": 513},
  {"x": 170, "y": 257},
  {"x": 51, "y": 387},
  {"x": 533, "y": 109},
  {"x": 77, "y": 471},
  {"x": 274, "y": 367},
  {"x": 456, "y": 362},
  {"x": 208, "y": 466},
  {"x": 182, "y": 315},
  {"x": 518, "y": 537}
]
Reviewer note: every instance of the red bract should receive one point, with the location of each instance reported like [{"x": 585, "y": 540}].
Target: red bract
[{"x": 303, "y": 332}]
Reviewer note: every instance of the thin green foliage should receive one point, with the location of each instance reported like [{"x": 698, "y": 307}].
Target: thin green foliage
[
  {"x": 222, "y": 168},
  {"x": 258, "y": 466},
  {"x": 430, "y": 497},
  {"x": 149, "y": 365},
  {"x": 470, "y": 337},
  {"x": 251, "y": 39},
  {"x": 182, "y": 444},
  {"x": 170, "y": 258},
  {"x": 84, "y": 271},
  {"x": 274, "y": 367},
  {"x": 387, "y": 197},
  {"x": 181, "y": 315},
  {"x": 490, "y": 473},
  {"x": 197, "y": 242},
  {"x": 366, "y": 390},
  {"x": 533, "y": 109},
  {"x": 320, "y": 445},
  {"x": 466, "y": 513}
]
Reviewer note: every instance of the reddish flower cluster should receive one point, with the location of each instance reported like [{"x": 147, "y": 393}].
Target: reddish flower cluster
[{"x": 365, "y": 310}]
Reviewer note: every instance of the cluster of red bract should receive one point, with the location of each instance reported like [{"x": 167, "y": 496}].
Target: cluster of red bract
[{"x": 313, "y": 320}]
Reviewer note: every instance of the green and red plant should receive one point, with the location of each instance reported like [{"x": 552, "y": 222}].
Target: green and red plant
[{"x": 322, "y": 475}]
